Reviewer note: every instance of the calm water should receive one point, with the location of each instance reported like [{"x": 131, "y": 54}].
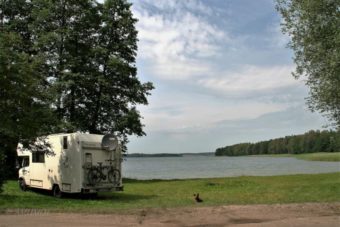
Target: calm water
[{"x": 211, "y": 166}]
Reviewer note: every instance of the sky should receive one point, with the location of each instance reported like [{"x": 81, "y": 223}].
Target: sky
[{"x": 222, "y": 75}]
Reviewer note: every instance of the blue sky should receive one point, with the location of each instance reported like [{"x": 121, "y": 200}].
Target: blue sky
[{"x": 222, "y": 74}]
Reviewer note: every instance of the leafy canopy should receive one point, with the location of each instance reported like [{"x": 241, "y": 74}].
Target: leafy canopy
[
  {"x": 73, "y": 61},
  {"x": 315, "y": 38}
]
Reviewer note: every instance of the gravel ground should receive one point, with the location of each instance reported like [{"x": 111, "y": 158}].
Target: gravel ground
[{"x": 305, "y": 214}]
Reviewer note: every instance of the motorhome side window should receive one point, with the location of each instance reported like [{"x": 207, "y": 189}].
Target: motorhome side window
[
  {"x": 65, "y": 142},
  {"x": 88, "y": 158},
  {"x": 38, "y": 157}
]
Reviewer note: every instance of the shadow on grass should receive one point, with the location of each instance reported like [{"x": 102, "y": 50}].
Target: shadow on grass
[
  {"x": 104, "y": 196},
  {"x": 40, "y": 191}
]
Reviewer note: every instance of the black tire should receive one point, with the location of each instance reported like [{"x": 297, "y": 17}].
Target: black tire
[
  {"x": 114, "y": 176},
  {"x": 57, "y": 192},
  {"x": 94, "y": 176},
  {"x": 22, "y": 185}
]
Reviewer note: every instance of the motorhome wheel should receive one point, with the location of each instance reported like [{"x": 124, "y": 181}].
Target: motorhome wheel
[{"x": 56, "y": 191}]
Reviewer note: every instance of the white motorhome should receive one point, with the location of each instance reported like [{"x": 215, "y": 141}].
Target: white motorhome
[{"x": 76, "y": 163}]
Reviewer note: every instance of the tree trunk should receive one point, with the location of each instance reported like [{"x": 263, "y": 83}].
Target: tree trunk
[{"x": 8, "y": 148}]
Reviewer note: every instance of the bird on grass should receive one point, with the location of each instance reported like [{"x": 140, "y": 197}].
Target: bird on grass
[{"x": 197, "y": 198}]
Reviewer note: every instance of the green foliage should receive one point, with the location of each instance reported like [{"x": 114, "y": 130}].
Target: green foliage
[
  {"x": 25, "y": 94},
  {"x": 91, "y": 49},
  {"x": 179, "y": 193},
  {"x": 315, "y": 38},
  {"x": 310, "y": 142}
]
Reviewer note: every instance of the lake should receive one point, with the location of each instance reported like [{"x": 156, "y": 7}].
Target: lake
[{"x": 210, "y": 166}]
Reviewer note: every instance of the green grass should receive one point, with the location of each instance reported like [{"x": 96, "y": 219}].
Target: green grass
[
  {"x": 179, "y": 193},
  {"x": 320, "y": 156},
  {"x": 330, "y": 157}
]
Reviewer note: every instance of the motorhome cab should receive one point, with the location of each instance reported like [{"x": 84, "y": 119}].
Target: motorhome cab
[{"x": 77, "y": 163}]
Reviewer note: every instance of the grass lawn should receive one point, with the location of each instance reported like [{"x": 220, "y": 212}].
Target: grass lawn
[
  {"x": 330, "y": 157},
  {"x": 320, "y": 156},
  {"x": 179, "y": 193}
]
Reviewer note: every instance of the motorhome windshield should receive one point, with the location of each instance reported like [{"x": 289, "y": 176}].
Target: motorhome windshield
[{"x": 23, "y": 161}]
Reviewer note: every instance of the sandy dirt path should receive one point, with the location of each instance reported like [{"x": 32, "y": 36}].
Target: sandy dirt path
[{"x": 307, "y": 214}]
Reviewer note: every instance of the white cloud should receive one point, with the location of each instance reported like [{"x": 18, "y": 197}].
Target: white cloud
[
  {"x": 171, "y": 5},
  {"x": 237, "y": 95},
  {"x": 181, "y": 112},
  {"x": 179, "y": 46},
  {"x": 251, "y": 79},
  {"x": 197, "y": 139},
  {"x": 176, "y": 44}
]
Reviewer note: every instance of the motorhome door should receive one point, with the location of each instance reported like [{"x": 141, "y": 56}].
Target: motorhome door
[{"x": 25, "y": 168}]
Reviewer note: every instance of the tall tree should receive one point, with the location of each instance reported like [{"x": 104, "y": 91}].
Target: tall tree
[
  {"x": 92, "y": 48},
  {"x": 115, "y": 88},
  {"x": 66, "y": 32},
  {"x": 315, "y": 38},
  {"x": 25, "y": 95}
]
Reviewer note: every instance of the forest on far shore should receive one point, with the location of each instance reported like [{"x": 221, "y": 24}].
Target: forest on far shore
[{"x": 310, "y": 142}]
